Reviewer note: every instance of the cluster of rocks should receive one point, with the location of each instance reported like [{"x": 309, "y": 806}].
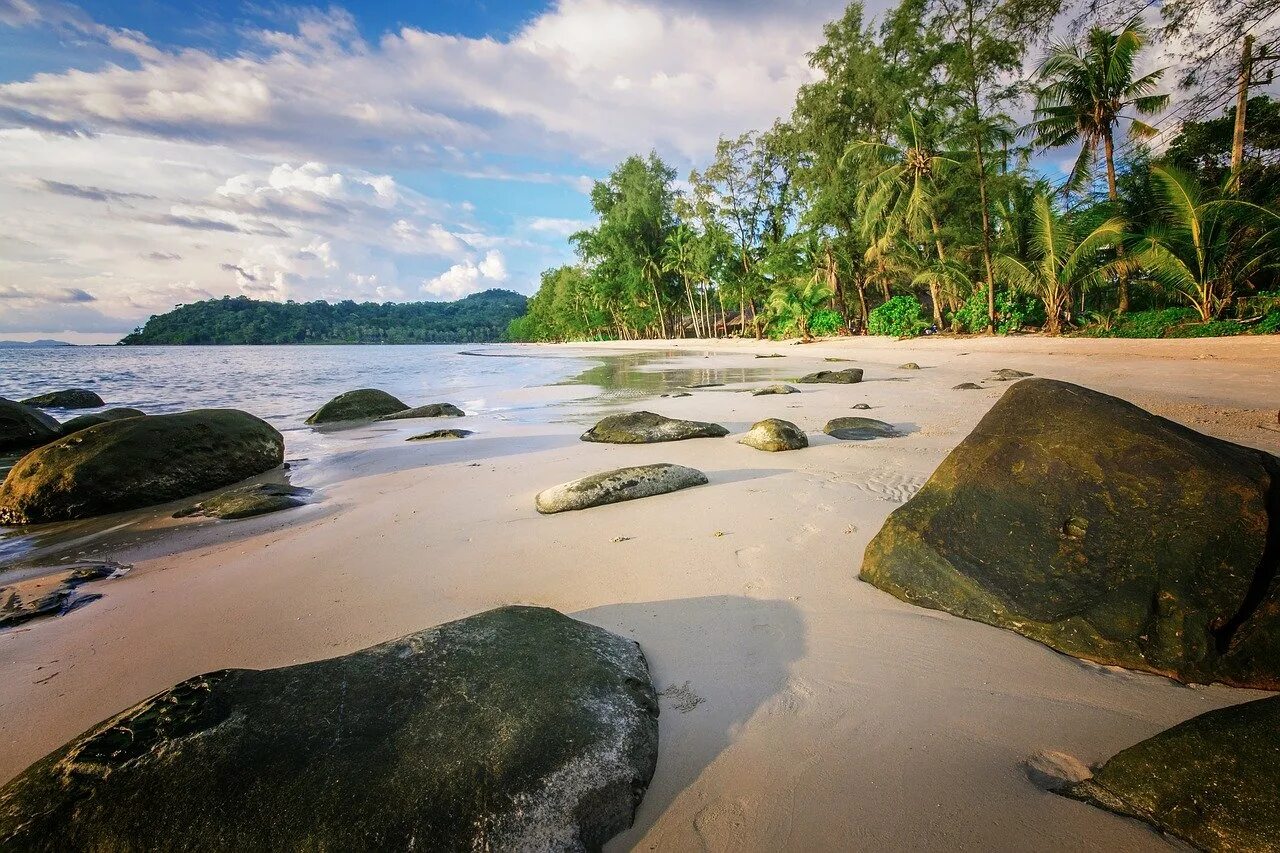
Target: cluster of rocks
[{"x": 370, "y": 404}]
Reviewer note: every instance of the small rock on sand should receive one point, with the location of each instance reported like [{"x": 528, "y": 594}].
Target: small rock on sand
[
  {"x": 440, "y": 433},
  {"x": 648, "y": 428},
  {"x": 910, "y": 365},
  {"x": 834, "y": 377},
  {"x": 967, "y": 386},
  {"x": 1005, "y": 374},
  {"x": 775, "y": 434},
  {"x": 622, "y": 484},
  {"x": 859, "y": 429},
  {"x": 775, "y": 389}
]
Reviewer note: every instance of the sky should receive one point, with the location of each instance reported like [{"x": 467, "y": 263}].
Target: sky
[{"x": 157, "y": 152}]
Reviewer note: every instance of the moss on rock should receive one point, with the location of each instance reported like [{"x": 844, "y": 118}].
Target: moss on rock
[
  {"x": 70, "y": 398},
  {"x": 248, "y": 501},
  {"x": 848, "y": 376},
  {"x": 622, "y": 484},
  {"x": 775, "y": 434},
  {"x": 431, "y": 410},
  {"x": 648, "y": 428},
  {"x": 859, "y": 429},
  {"x": 85, "y": 421},
  {"x": 364, "y": 404}
]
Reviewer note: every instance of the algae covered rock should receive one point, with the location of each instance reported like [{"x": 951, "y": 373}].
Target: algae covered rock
[
  {"x": 775, "y": 434},
  {"x": 622, "y": 484},
  {"x": 365, "y": 404},
  {"x": 1007, "y": 374},
  {"x": 85, "y": 421},
  {"x": 431, "y": 410},
  {"x": 859, "y": 429},
  {"x": 834, "y": 377},
  {"x": 515, "y": 729},
  {"x": 248, "y": 501},
  {"x": 1213, "y": 781},
  {"x": 648, "y": 428},
  {"x": 71, "y": 398},
  {"x": 440, "y": 433},
  {"x": 23, "y": 427},
  {"x": 775, "y": 389},
  {"x": 1101, "y": 530},
  {"x": 137, "y": 462}
]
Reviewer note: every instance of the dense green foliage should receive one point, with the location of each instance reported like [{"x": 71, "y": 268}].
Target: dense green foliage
[
  {"x": 479, "y": 317},
  {"x": 901, "y": 179}
]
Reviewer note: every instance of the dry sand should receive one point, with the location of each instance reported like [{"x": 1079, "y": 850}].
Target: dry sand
[{"x": 802, "y": 709}]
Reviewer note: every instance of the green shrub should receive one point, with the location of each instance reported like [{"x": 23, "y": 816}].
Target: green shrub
[
  {"x": 1269, "y": 325},
  {"x": 901, "y": 315},
  {"x": 826, "y": 321}
]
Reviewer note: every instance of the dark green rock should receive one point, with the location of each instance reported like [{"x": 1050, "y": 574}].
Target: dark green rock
[
  {"x": 248, "y": 501},
  {"x": 137, "y": 462},
  {"x": 71, "y": 398},
  {"x": 85, "y": 421},
  {"x": 515, "y": 729},
  {"x": 1006, "y": 374},
  {"x": 859, "y": 429},
  {"x": 1106, "y": 532},
  {"x": 648, "y": 428},
  {"x": 23, "y": 427},
  {"x": 365, "y": 404},
  {"x": 967, "y": 386},
  {"x": 440, "y": 433},
  {"x": 431, "y": 410},
  {"x": 775, "y": 434},
  {"x": 834, "y": 377},
  {"x": 1212, "y": 781}
]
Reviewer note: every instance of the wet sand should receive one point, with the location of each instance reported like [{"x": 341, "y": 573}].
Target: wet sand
[{"x": 803, "y": 709}]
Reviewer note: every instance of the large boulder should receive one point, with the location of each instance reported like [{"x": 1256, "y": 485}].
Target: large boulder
[
  {"x": 93, "y": 419},
  {"x": 1104, "y": 531},
  {"x": 859, "y": 429},
  {"x": 1212, "y": 781},
  {"x": 23, "y": 427},
  {"x": 648, "y": 428},
  {"x": 431, "y": 410},
  {"x": 833, "y": 377},
  {"x": 136, "y": 462},
  {"x": 71, "y": 398},
  {"x": 365, "y": 404},
  {"x": 515, "y": 729},
  {"x": 775, "y": 434},
  {"x": 622, "y": 484}
]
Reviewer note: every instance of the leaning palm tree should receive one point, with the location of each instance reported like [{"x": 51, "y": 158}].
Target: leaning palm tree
[
  {"x": 1059, "y": 264},
  {"x": 1205, "y": 248}
]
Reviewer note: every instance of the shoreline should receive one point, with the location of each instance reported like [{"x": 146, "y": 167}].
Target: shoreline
[{"x": 829, "y": 710}]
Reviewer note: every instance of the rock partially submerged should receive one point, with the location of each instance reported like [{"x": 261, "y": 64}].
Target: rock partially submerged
[
  {"x": 1103, "y": 531},
  {"x": 53, "y": 594},
  {"x": 431, "y": 410},
  {"x": 515, "y": 729},
  {"x": 775, "y": 434},
  {"x": 780, "y": 388},
  {"x": 648, "y": 428},
  {"x": 23, "y": 427},
  {"x": 1006, "y": 374},
  {"x": 440, "y": 433},
  {"x": 1211, "y": 781},
  {"x": 137, "y": 462},
  {"x": 859, "y": 429},
  {"x": 365, "y": 404},
  {"x": 835, "y": 377},
  {"x": 623, "y": 484},
  {"x": 70, "y": 398},
  {"x": 248, "y": 501},
  {"x": 85, "y": 421}
]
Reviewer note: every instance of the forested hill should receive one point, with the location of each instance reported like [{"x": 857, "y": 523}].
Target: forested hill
[{"x": 476, "y": 318}]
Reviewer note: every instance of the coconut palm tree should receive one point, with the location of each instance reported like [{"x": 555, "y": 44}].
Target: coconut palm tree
[
  {"x": 1204, "y": 248},
  {"x": 800, "y": 282},
  {"x": 1059, "y": 264}
]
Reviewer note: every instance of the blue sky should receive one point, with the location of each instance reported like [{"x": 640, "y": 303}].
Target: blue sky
[{"x": 155, "y": 152}]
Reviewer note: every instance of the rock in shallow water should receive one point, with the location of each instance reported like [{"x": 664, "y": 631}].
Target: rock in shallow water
[
  {"x": 1103, "y": 531},
  {"x": 23, "y": 427},
  {"x": 859, "y": 429},
  {"x": 365, "y": 404},
  {"x": 71, "y": 398},
  {"x": 515, "y": 729},
  {"x": 833, "y": 377},
  {"x": 622, "y": 484},
  {"x": 431, "y": 410},
  {"x": 648, "y": 428},
  {"x": 775, "y": 434},
  {"x": 248, "y": 501},
  {"x": 1212, "y": 781},
  {"x": 137, "y": 462},
  {"x": 440, "y": 433},
  {"x": 85, "y": 421}
]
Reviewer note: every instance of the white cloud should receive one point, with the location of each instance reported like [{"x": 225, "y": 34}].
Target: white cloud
[
  {"x": 468, "y": 277},
  {"x": 560, "y": 227}
]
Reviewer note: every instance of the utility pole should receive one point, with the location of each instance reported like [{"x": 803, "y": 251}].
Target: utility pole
[{"x": 1242, "y": 103}]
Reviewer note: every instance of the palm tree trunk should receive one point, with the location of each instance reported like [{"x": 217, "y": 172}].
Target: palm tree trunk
[
  {"x": 1122, "y": 285},
  {"x": 942, "y": 258}
]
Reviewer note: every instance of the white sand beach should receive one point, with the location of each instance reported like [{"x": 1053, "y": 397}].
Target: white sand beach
[{"x": 802, "y": 709}]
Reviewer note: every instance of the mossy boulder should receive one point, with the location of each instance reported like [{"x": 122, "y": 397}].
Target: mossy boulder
[
  {"x": 622, "y": 484},
  {"x": 248, "y": 501},
  {"x": 93, "y": 419},
  {"x": 648, "y": 428},
  {"x": 1106, "y": 532},
  {"x": 1213, "y": 781},
  {"x": 431, "y": 410},
  {"x": 515, "y": 729},
  {"x": 137, "y": 462},
  {"x": 70, "y": 398},
  {"x": 435, "y": 434},
  {"x": 23, "y": 427},
  {"x": 775, "y": 434},
  {"x": 780, "y": 388},
  {"x": 833, "y": 377},
  {"x": 859, "y": 429},
  {"x": 365, "y": 404}
]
